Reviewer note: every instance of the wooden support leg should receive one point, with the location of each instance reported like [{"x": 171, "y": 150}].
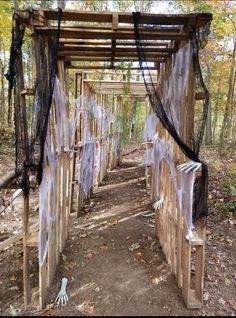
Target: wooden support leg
[{"x": 26, "y": 266}]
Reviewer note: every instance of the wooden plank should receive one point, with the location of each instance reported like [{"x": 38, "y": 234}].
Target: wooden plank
[
  {"x": 51, "y": 263},
  {"x": 200, "y": 96},
  {"x": 104, "y": 16},
  {"x": 17, "y": 237},
  {"x": 104, "y": 34},
  {"x": 73, "y": 147},
  {"x": 76, "y": 48},
  {"x": 119, "y": 28},
  {"x": 58, "y": 206},
  {"x": 200, "y": 258},
  {"x": 42, "y": 284},
  {"x": 96, "y": 43},
  {"x": 63, "y": 212},
  {"x": 67, "y": 194},
  {"x": 186, "y": 268},
  {"x": 33, "y": 239},
  {"x": 101, "y": 67},
  {"x": 26, "y": 265},
  {"x": 111, "y": 53},
  {"x": 107, "y": 59}
]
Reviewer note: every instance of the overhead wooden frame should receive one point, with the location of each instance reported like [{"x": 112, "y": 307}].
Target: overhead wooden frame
[
  {"x": 109, "y": 37},
  {"x": 126, "y": 88}
]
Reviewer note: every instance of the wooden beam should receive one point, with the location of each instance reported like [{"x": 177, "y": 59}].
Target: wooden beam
[
  {"x": 17, "y": 237},
  {"x": 200, "y": 95},
  {"x": 74, "y": 48},
  {"x": 108, "y": 28},
  {"x": 100, "y": 67},
  {"x": 65, "y": 41},
  {"x": 6, "y": 180},
  {"x": 112, "y": 54},
  {"x": 110, "y": 34},
  {"x": 147, "y": 18},
  {"x": 106, "y": 59}
]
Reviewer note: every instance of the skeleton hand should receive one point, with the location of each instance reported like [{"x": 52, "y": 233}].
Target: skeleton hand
[
  {"x": 62, "y": 295},
  {"x": 189, "y": 166},
  {"x": 158, "y": 204}
]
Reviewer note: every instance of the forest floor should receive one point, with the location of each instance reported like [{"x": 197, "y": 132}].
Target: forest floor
[{"x": 113, "y": 260}]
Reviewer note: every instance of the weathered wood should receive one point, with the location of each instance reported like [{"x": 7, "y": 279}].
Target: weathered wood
[
  {"x": 7, "y": 180},
  {"x": 65, "y": 42},
  {"x": 109, "y": 34},
  {"x": 73, "y": 50},
  {"x": 108, "y": 59},
  {"x": 17, "y": 237},
  {"x": 147, "y": 18},
  {"x": 99, "y": 67},
  {"x": 112, "y": 54}
]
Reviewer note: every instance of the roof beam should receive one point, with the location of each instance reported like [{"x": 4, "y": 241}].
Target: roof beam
[
  {"x": 65, "y": 41},
  {"x": 146, "y": 18},
  {"x": 111, "y": 34},
  {"x": 102, "y": 67},
  {"x": 111, "y": 54},
  {"x": 76, "y": 48},
  {"x": 107, "y": 59}
]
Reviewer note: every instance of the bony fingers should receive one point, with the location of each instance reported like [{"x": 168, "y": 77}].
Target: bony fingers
[
  {"x": 197, "y": 167},
  {"x": 189, "y": 168},
  {"x": 182, "y": 165}
]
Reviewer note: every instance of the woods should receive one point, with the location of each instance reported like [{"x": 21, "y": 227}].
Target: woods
[
  {"x": 217, "y": 58},
  {"x": 106, "y": 115}
]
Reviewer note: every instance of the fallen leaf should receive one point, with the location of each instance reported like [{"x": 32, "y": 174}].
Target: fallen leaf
[
  {"x": 206, "y": 296},
  {"x": 139, "y": 254},
  {"x": 13, "y": 278},
  {"x": 103, "y": 247},
  {"x": 86, "y": 308},
  {"x": 157, "y": 280},
  {"x": 221, "y": 301},
  {"x": 226, "y": 281},
  {"x": 134, "y": 246},
  {"x": 114, "y": 222},
  {"x": 70, "y": 265},
  {"x": 232, "y": 304}
]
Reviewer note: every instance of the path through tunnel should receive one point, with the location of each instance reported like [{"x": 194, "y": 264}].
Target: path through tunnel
[{"x": 113, "y": 260}]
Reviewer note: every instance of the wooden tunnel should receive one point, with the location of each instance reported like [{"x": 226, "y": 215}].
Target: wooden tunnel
[{"x": 101, "y": 40}]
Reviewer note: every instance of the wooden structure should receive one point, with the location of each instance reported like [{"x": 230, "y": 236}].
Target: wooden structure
[{"x": 105, "y": 37}]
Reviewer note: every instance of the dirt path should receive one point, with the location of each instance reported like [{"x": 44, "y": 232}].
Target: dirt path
[
  {"x": 114, "y": 263},
  {"x": 113, "y": 257}
]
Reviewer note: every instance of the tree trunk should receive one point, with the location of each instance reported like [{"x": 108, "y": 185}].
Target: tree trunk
[
  {"x": 2, "y": 112},
  {"x": 208, "y": 131},
  {"x": 216, "y": 109},
  {"x": 225, "y": 123}
]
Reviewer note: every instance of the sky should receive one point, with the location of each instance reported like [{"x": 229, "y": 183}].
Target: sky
[{"x": 160, "y": 6}]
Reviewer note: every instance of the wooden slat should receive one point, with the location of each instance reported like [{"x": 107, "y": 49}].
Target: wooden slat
[
  {"x": 110, "y": 34},
  {"x": 76, "y": 48},
  {"x": 145, "y": 43},
  {"x": 111, "y": 54},
  {"x": 163, "y": 19},
  {"x": 107, "y": 59},
  {"x": 108, "y": 28},
  {"x": 101, "y": 67},
  {"x": 16, "y": 238}
]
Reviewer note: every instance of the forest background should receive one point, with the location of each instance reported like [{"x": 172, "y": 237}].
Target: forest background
[{"x": 218, "y": 57}]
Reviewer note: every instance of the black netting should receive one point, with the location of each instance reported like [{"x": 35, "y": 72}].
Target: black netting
[
  {"x": 30, "y": 131},
  {"x": 163, "y": 112}
]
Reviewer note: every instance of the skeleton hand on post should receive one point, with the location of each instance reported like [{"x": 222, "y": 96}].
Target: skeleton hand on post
[
  {"x": 62, "y": 295},
  {"x": 189, "y": 166},
  {"x": 158, "y": 204}
]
